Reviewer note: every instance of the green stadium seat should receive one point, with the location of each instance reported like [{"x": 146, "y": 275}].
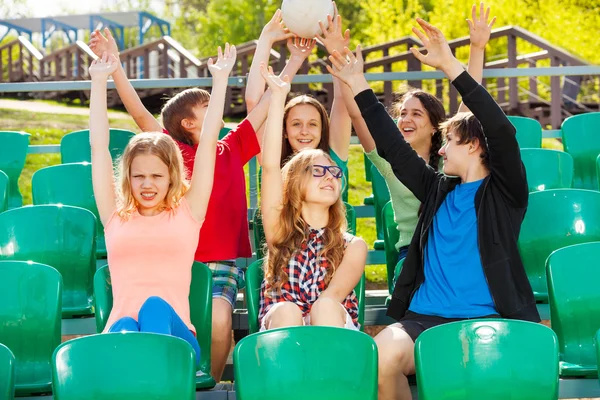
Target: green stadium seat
[
  {"x": 555, "y": 219},
  {"x": 390, "y": 237},
  {"x": 487, "y": 359},
  {"x": 69, "y": 184},
  {"x": 254, "y": 278},
  {"x": 580, "y": 137},
  {"x": 75, "y": 146},
  {"x": 598, "y": 169},
  {"x": 13, "y": 152},
  {"x": 30, "y": 304},
  {"x": 200, "y": 313},
  {"x": 547, "y": 169},
  {"x": 573, "y": 282},
  {"x": 258, "y": 232},
  {"x": 597, "y": 344},
  {"x": 223, "y": 132},
  {"x": 124, "y": 366},
  {"x": 7, "y": 373},
  {"x": 63, "y": 237},
  {"x": 381, "y": 195},
  {"x": 529, "y": 132},
  {"x": 315, "y": 362},
  {"x": 3, "y": 192}
]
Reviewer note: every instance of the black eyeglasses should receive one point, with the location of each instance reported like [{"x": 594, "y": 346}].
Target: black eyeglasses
[{"x": 320, "y": 170}]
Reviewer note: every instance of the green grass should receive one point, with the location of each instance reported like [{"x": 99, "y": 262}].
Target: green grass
[{"x": 50, "y": 128}]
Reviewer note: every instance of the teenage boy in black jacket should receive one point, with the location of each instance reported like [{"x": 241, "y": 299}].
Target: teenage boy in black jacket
[{"x": 463, "y": 260}]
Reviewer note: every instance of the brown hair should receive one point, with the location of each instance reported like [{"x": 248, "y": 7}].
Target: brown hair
[
  {"x": 293, "y": 230},
  {"x": 286, "y": 149},
  {"x": 468, "y": 128},
  {"x": 436, "y": 113},
  {"x": 161, "y": 146},
  {"x": 180, "y": 107}
]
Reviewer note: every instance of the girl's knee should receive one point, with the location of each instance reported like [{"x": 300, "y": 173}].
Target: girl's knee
[
  {"x": 327, "y": 311},
  {"x": 286, "y": 314},
  {"x": 125, "y": 324}
]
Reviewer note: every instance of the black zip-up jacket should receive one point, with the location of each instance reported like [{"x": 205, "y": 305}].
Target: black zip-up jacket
[{"x": 500, "y": 202}]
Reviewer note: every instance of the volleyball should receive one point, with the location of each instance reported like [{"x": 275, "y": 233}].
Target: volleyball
[{"x": 302, "y": 16}]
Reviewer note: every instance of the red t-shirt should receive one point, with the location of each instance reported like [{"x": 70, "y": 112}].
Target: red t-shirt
[{"x": 224, "y": 234}]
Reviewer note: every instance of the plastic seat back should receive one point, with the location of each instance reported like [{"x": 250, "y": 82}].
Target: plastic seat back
[
  {"x": 69, "y": 184},
  {"x": 573, "y": 282},
  {"x": 3, "y": 192},
  {"x": 7, "y": 373},
  {"x": 223, "y": 132},
  {"x": 529, "y": 132},
  {"x": 254, "y": 278},
  {"x": 124, "y": 366},
  {"x": 75, "y": 146},
  {"x": 63, "y": 237},
  {"x": 580, "y": 137},
  {"x": 381, "y": 195},
  {"x": 487, "y": 359},
  {"x": 306, "y": 363},
  {"x": 555, "y": 219},
  {"x": 30, "y": 321},
  {"x": 13, "y": 152},
  {"x": 200, "y": 312},
  {"x": 390, "y": 237},
  {"x": 547, "y": 169}
]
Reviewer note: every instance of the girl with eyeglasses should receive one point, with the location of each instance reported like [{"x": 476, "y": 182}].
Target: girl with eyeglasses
[{"x": 312, "y": 264}]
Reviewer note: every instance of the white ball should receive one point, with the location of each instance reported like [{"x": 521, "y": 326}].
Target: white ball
[{"x": 302, "y": 16}]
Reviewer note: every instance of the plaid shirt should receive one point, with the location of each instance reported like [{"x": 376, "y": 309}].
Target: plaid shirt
[{"x": 306, "y": 279}]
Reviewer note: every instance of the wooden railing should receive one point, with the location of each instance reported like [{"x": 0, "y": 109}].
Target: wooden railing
[{"x": 19, "y": 61}]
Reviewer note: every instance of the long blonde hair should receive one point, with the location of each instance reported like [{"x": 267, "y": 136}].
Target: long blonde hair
[
  {"x": 162, "y": 146},
  {"x": 293, "y": 230}
]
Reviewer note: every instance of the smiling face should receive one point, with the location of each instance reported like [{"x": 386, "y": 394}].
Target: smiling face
[
  {"x": 414, "y": 123},
  {"x": 322, "y": 189},
  {"x": 150, "y": 183},
  {"x": 303, "y": 127}
]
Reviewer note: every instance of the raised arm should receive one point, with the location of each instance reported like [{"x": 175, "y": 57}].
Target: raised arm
[
  {"x": 102, "y": 166},
  {"x": 272, "y": 181},
  {"x": 342, "y": 90},
  {"x": 506, "y": 166},
  {"x": 142, "y": 117},
  {"x": 349, "y": 272},
  {"x": 204, "y": 170},
  {"x": 479, "y": 33},
  {"x": 340, "y": 128},
  {"x": 274, "y": 31},
  {"x": 408, "y": 167},
  {"x": 299, "y": 49}
]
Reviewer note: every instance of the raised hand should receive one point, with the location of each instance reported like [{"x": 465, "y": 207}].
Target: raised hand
[
  {"x": 103, "y": 43},
  {"x": 348, "y": 67},
  {"x": 438, "y": 50},
  {"x": 277, "y": 85},
  {"x": 479, "y": 28},
  {"x": 275, "y": 30},
  {"x": 333, "y": 38},
  {"x": 225, "y": 62},
  {"x": 300, "y": 48},
  {"x": 103, "y": 67}
]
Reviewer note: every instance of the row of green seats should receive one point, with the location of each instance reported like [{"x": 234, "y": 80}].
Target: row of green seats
[{"x": 31, "y": 297}]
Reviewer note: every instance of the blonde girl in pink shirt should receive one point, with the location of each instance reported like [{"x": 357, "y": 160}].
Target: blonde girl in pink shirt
[{"x": 151, "y": 214}]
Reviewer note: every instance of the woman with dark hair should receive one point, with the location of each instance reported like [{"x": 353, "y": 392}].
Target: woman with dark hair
[{"x": 419, "y": 115}]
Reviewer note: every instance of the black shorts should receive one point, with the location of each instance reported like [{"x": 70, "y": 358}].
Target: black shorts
[{"x": 414, "y": 324}]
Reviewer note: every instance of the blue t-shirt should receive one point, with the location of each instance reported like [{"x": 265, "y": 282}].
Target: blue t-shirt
[{"x": 455, "y": 285}]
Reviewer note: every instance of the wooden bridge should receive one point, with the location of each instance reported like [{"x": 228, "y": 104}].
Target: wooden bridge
[{"x": 549, "y": 100}]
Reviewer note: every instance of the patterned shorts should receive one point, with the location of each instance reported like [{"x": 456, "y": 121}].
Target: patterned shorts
[{"x": 227, "y": 279}]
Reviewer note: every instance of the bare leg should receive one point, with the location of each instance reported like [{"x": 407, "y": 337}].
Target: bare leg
[
  {"x": 286, "y": 314},
  {"x": 396, "y": 362},
  {"x": 327, "y": 312},
  {"x": 221, "y": 337}
]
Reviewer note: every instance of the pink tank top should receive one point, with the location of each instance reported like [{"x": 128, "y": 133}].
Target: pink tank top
[{"x": 151, "y": 256}]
